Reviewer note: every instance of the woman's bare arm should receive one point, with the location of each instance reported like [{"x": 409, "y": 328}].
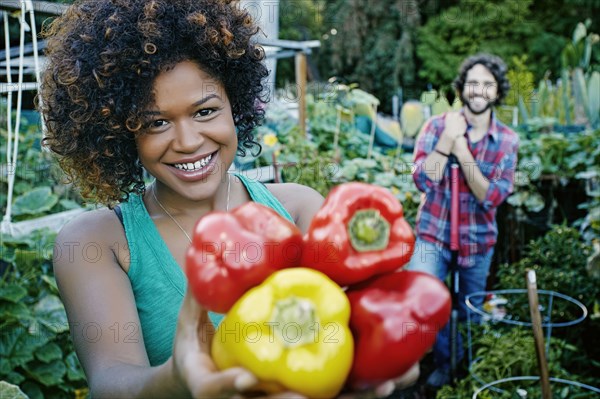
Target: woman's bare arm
[{"x": 102, "y": 313}]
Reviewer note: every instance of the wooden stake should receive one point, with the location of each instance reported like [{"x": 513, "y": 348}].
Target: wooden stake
[
  {"x": 538, "y": 334},
  {"x": 336, "y": 137},
  {"x": 301, "y": 85},
  {"x": 373, "y": 128}
]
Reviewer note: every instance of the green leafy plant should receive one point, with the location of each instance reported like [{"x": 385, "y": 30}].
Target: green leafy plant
[
  {"x": 38, "y": 188},
  {"x": 303, "y": 164},
  {"x": 501, "y": 352},
  {"x": 560, "y": 260},
  {"x": 464, "y": 29},
  {"x": 552, "y": 158},
  {"x": 11, "y": 391},
  {"x": 35, "y": 346},
  {"x": 386, "y": 171},
  {"x": 572, "y": 99}
]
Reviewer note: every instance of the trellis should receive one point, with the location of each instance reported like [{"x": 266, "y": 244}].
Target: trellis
[{"x": 27, "y": 66}]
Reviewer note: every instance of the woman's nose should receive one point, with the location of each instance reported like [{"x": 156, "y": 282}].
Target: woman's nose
[{"x": 188, "y": 137}]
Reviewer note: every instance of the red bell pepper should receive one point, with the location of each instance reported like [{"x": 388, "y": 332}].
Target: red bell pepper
[
  {"x": 233, "y": 252},
  {"x": 394, "y": 320},
  {"x": 360, "y": 231}
]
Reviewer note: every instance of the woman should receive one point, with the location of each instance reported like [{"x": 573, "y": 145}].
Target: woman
[{"x": 172, "y": 88}]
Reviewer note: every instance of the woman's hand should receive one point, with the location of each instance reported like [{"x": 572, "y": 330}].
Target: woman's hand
[
  {"x": 193, "y": 366},
  {"x": 387, "y": 388}
]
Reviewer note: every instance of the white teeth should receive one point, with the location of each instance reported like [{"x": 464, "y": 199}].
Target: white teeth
[{"x": 194, "y": 166}]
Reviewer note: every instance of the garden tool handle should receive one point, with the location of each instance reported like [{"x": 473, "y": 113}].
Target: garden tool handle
[
  {"x": 454, "y": 279},
  {"x": 454, "y": 201},
  {"x": 538, "y": 334}
]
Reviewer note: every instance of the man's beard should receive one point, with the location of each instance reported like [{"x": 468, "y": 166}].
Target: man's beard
[{"x": 467, "y": 103}]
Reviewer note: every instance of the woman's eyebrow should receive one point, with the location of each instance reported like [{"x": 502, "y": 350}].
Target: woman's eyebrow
[
  {"x": 196, "y": 104},
  {"x": 207, "y": 98}
]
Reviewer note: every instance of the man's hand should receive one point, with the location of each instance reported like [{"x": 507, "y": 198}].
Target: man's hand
[
  {"x": 460, "y": 147},
  {"x": 455, "y": 125}
]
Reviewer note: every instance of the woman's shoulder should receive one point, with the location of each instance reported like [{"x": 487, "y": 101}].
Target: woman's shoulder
[
  {"x": 91, "y": 224},
  {"x": 302, "y": 202},
  {"x": 98, "y": 228}
]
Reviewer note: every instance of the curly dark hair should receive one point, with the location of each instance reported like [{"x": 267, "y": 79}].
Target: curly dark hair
[
  {"x": 103, "y": 57},
  {"x": 494, "y": 64}
]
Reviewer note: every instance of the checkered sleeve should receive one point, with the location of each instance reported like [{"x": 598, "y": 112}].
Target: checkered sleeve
[
  {"x": 424, "y": 146},
  {"x": 502, "y": 181}
]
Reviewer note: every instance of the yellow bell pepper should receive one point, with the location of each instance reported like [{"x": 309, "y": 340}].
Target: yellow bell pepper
[{"x": 291, "y": 331}]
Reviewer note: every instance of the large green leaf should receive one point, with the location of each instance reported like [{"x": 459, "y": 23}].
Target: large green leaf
[
  {"x": 74, "y": 370},
  {"x": 18, "y": 345},
  {"x": 9, "y": 391},
  {"x": 534, "y": 202},
  {"x": 12, "y": 293},
  {"x": 15, "y": 311},
  {"x": 51, "y": 282},
  {"x": 47, "y": 373},
  {"x": 8, "y": 340},
  {"x": 27, "y": 259},
  {"x": 49, "y": 352},
  {"x": 51, "y": 312},
  {"x": 36, "y": 201},
  {"x": 13, "y": 377},
  {"x": 32, "y": 389},
  {"x": 69, "y": 204}
]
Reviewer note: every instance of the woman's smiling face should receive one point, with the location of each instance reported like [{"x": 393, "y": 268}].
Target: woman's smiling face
[{"x": 189, "y": 137}]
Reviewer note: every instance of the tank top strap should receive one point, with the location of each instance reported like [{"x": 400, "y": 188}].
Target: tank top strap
[{"x": 261, "y": 194}]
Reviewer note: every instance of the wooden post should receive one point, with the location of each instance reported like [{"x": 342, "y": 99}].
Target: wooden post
[
  {"x": 301, "y": 86},
  {"x": 538, "y": 334},
  {"x": 373, "y": 129}
]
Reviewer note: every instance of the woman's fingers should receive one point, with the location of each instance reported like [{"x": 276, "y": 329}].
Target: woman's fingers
[
  {"x": 409, "y": 378},
  {"x": 189, "y": 314},
  {"x": 223, "y": 384},
  {"x": 286, "y": 395},
  {"x": 193, "y": 324},
  {"x": 281, "y": 395},
  {"x": 384, "y": 390}
]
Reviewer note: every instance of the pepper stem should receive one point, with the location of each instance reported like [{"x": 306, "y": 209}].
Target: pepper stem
[
  {"x": 295, "y": 322},
  {"x": 368, "y": 231}
]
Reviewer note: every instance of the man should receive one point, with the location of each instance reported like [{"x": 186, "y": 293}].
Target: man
[{"x": 486, "y": 151}]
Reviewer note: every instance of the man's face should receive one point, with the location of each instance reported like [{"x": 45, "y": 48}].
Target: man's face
[{"x": 480, "y": 90}]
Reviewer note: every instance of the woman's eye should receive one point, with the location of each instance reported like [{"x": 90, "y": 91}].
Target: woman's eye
[
  {"x": 157, "y": 123},
  {"x": 205, "y": 112}
]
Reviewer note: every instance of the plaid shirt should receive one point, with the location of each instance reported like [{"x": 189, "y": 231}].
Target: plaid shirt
[{"x": 496, "y": 156}]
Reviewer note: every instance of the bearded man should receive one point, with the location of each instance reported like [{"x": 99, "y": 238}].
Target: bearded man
[{"x": 486, "y": 151}]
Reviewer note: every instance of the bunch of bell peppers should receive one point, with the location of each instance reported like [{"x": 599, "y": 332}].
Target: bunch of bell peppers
[{"x": 318, "y": 312}]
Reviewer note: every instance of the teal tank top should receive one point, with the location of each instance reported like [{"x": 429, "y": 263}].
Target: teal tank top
[{"x": 158, "y": 282}]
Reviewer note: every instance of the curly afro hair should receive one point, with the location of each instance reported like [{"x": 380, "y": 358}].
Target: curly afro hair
[
  {"x": 103, "y": 57},
  {"x": 494, "y": 64}
]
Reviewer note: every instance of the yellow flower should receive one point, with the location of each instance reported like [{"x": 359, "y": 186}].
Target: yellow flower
[
  {"x": 395, "y": 190},
  {"x": 270, "y": 139}
]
